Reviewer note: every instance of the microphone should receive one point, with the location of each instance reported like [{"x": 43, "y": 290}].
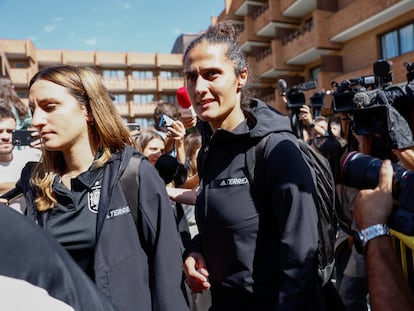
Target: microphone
[
  {"x": 282, "y": 84},
  {"x": 184, "y": 102},
  {"x": 183, "y": 98},
  {"x": 361, "y": 99}
]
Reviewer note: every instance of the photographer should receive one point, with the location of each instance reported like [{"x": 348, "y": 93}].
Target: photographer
[
  {"x": 318, "y": 126},
  {"x": 387, "y": 286}
]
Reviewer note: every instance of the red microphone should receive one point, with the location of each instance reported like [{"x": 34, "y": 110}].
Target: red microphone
[
  {"x": 184, "y": 102},
  {"x": 183, "y": 98}
]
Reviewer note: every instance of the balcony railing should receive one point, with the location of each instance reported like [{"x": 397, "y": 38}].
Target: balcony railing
[
  {"x": 268, "y": 17},
  {"x": 20, "y": 77},
  {"x": 172, "y": 61},
  {"x": 143, "y": 84},
  {"x": 114, "y": 85},
  {"x": 170, "y": 84},
  {"x": 138, "y": 109},
  {"x": 370, "y": 14},
  {"x": 311, "y": 41},
  {"x": 111, "y": 59}
]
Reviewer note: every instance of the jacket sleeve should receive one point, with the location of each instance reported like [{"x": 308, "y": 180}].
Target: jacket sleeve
[
  {"x": 295, "y": 212},
  {"x": 162, "y": 241}
]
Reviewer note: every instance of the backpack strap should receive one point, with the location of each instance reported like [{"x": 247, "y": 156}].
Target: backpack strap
[
  {"x": 253, "y": 152},
  {"x": 130, "y": 184}
]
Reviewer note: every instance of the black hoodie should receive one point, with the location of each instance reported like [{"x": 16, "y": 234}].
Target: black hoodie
[{"x": 260, "y": 247}]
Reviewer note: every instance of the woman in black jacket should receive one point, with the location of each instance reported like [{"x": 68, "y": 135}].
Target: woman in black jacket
[
  {"x": 257, "y": 243},
  {"x": 75, "y": 194}
]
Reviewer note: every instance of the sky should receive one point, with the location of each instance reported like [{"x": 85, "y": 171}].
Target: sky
[{"x": 149, "y": 26}]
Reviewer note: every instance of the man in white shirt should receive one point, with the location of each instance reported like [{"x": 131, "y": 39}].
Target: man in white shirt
[{"x": 12, "y": 160}]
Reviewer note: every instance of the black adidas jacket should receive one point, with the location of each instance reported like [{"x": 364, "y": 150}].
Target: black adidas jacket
[{"x": 260, "y": 246}]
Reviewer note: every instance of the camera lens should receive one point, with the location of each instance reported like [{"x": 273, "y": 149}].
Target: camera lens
[{"x": 361, "y": 171}]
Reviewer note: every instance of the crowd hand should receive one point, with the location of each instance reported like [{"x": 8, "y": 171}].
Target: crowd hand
[
  {"x": 305, "y": 115},
  {"x": 406, "y": 156},
  {"x": 189, "y": 122},
  {"x": 177, "y": 130},
  {"x": 196, "y": 273},
  {"x": 374, "y": 206},
  {"x": 36, "y": 143}
]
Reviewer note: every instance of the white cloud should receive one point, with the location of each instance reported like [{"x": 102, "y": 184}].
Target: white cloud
[
  {"x": 49, "y": 28},
  {"x": 58, "y": 19},
  {"x": 91, "y": 41}
]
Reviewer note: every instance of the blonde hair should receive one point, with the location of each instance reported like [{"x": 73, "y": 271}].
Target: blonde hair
[{"x": 108, "y": 133}]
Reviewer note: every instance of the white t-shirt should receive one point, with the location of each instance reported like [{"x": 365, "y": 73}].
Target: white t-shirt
[
  {"x": 20, "y": 295},
  {"x": 10, "y": 171}
]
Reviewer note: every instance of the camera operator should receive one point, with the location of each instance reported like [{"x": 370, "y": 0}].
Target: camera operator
[
  {"x": 388, "y": 288},
  {"x": 317, "y": 127}
]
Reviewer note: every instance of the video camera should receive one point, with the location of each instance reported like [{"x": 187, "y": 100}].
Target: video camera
[
  {"x": 409, "y": 88},
  {"x": 368, "y": 99},
  {"x": 295, "y": 99},
  {"x": 294, "y": 95},
  {"x": 361, "y": 171}
]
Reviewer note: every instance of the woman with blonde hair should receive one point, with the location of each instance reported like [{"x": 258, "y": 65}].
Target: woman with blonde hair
[{"x": 75, "y": 193}]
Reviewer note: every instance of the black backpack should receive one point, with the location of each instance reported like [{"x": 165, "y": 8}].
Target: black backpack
[{"x": 325, "y": 201}]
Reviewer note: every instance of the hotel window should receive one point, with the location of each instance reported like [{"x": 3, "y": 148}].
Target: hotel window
[
  {"x": 20, "y": 65},
  {"x": 145, "y": 123},
  {"x": 169, "y": 74},
  {"x": 142, "y": 75},
  {"x": 398, "y": 41},
  {"x": 114, "y": 74},
  {"x": 315, "y": 73},
  {"x": 22, "y": 94},
  {"x": 169, "y": 98},
  {"x": 119, "y": 99},
  {"x": 143, "y": 98}
]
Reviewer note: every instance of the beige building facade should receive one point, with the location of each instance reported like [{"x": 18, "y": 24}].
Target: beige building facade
[
  {"x": 293, "y": 40},
  {"x": 137, "y": 81}
]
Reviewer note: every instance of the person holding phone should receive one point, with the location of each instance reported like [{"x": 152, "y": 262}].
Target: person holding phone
[{"x": 12, "y": 160}]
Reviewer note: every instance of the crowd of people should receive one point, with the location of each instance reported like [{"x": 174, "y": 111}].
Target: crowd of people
[{"x": 167, "y": 218}]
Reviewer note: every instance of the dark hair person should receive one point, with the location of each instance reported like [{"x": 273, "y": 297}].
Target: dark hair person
[
  {"x": 257, "y": 244},
  {"x": 10, "y": 100},
  {"x": 75, "y": 194}
]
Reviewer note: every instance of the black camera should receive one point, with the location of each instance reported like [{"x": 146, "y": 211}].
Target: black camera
[
  {"x": 295, "y": 96},
  {"x": 410, "y": 71},
  {"x": 361, "y": 171}
]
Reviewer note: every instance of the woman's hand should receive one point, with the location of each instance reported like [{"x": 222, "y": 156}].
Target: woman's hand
[{"x": 196, "y": 272}]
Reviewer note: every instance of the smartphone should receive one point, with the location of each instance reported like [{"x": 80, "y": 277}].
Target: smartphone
[
  {"x": 165, "y": 122},
  {"x": 22, "y": 137}
]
